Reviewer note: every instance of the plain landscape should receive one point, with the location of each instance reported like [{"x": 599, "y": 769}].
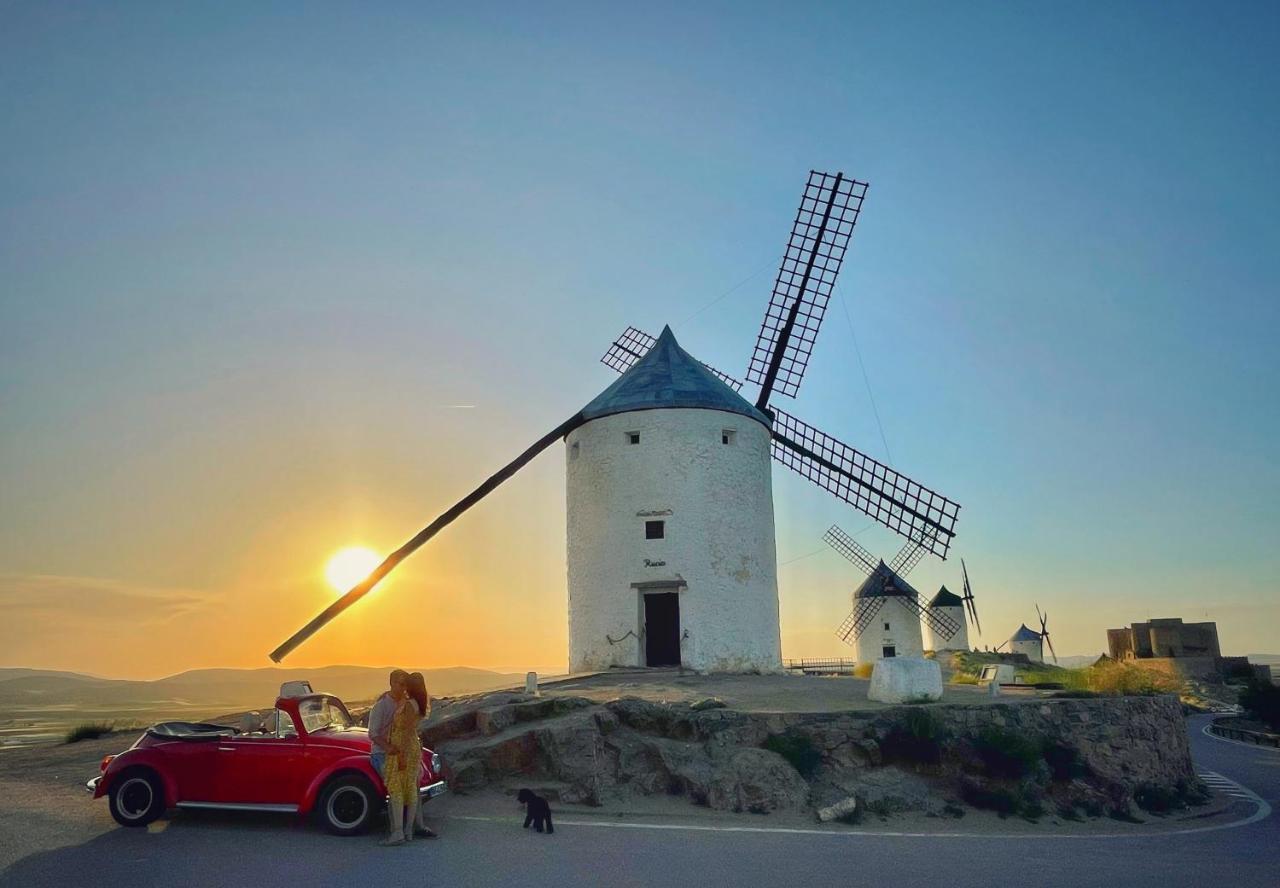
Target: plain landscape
[{"x": 41, "y": 705}]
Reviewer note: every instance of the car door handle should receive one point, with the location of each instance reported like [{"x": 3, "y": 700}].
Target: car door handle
[{"x": 226, "y": 749}]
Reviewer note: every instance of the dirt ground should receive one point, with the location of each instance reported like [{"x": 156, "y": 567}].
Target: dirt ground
[{"x": 752, "y": 693}]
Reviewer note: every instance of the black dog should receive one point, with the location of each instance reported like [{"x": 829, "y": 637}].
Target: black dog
[{"x": 538, "y": 812}]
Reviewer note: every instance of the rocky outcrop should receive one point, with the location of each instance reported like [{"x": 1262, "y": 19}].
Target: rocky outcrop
[{"x": 1088, "y": 753}]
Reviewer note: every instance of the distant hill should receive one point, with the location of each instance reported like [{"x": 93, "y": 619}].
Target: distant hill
[{"x": 26, "y": 690}]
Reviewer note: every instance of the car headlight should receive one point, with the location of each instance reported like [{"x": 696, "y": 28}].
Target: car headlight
[{"x": 435, "y": 763}]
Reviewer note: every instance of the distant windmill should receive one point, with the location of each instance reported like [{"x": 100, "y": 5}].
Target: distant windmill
[
  {"x": 663, "y": 385},
  {"x": 888, "y": 599},
  {"x": 1031, "y": 643}
]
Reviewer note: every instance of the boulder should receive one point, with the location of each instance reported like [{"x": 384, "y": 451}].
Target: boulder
[
  {"x": 708, "y": 703},
  {"x": 757, "y": 781},
  {"x": 842, "y": 808},
  {"x": 905, "y": 680}
]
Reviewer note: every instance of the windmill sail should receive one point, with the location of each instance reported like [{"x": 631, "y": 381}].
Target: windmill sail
[
  {"x": 634, "y": 344},
  {"x": 389, "y": 563},
  {"x": 908, "y": 557},
  {"x": 859, "y": 618},
  {"x": 1044, "y": 632},
  {"x": 900, "y": 504},
  {"x": 924, "y": 517},
  {"x": 968, "y": 598},
  {"x": 850, "y": 548},
  {"x": 819, "y": 238}
]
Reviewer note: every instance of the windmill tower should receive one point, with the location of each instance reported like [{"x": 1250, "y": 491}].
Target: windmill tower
[
  {"x": 951, "y": 606},
  {"x": 670, "y": 523},
  {"x": 1025, "y": 641},
  {"x": 946, "y": 604},
  {"x": 886, "y": 615},
  {"x": 707, "y": 468}
]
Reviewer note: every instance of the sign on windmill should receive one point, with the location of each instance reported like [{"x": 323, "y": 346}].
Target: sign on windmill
[
  {"x": 886, "y": 615},
  {"x": 670, "y": 509}
]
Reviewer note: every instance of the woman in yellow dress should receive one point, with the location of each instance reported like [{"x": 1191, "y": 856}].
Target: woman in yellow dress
[{"x": 404, "y": 764}]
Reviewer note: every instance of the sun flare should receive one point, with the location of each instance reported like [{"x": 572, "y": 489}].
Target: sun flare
[{"x": 349, "y": 566}]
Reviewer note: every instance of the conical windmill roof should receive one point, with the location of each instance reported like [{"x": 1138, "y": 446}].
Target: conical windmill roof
[
  {"x": 882, "y": 583},
  {"x": 1025, "y": 634},
  {"x": 668, "y": 376},
  {"x": 946, "y": 598}
]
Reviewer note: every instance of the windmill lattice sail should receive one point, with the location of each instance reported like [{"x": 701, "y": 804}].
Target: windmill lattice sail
[
  {"x": 819, "y": 238},
  {"x": 850, "y": 548},
  {"x": 968, "y": 597},
  {"x": 900, "y": 504},
  {"x": 859, "y": 618},
  {"x": 634, "y": 344},
  {"x": 904, "y": 506}
]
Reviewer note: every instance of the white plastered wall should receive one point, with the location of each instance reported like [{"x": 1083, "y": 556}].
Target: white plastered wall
[
  {"x": 903, "y": 632},
  {"x": 716, "y": 501},
  {"x": 1033, "y": 649},
  {"x": 934, "y": 641}
]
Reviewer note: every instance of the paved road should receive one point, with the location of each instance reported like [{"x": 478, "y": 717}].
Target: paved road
[{"x": 218, "y": 850}]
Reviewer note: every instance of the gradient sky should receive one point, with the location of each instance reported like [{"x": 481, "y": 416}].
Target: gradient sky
[{"x": 255, "y": 258}]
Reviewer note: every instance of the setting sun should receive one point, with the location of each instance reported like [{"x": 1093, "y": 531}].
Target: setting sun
[{"x": 349, "y": 566}]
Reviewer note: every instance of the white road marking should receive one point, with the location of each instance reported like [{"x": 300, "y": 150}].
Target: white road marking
[{"x": 1262, "y": 811}]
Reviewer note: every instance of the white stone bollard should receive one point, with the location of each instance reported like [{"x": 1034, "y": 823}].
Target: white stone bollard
[
  {"x": 993, "y": 688},
  {"x": 905, "y": 680},
  {"x": 531, "y": 684}
]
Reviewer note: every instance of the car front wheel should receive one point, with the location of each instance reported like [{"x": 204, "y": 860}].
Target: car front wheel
[
  {"x": 136, "y": 798},
  {"x": 348, "y": 805}
]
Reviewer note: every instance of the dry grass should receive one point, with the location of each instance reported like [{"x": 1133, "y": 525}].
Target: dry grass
[{"x": 863, "y": 670}]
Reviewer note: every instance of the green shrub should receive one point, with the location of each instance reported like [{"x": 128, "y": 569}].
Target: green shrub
[
  {"x": 1006, "y": 754},
  {"x": 1262, "y": 701},
  {"x": 89, "y": 731},
  {"x": 916, "y": 738},
  {"x": 798, "y": 750}
]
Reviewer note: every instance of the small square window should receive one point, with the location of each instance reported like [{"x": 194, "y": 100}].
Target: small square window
[
  {"x": 727, "y": 436},
  {"x": 886, "y": 627},
  {"x": 633, "y": 437},
  {"x": 655, "y": 530}
]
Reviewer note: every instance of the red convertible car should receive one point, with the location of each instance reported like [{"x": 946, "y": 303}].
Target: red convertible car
[{"x": 308, "y": 758}]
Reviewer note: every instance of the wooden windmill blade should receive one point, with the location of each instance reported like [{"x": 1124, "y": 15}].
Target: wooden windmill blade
[
  {"x": 851, "y": 549},
  {"x": 900, "y": 504},
  {"x": 820, "y": 236},
  {"x": 634, "y": 344},
  {"x": 968, "y": 597},
  {"x": 909, "y": 556},
  {"x": 859, "y": 618},
  {"x": 389, "y": 563},
  {"x": 1044, "y": 631}
]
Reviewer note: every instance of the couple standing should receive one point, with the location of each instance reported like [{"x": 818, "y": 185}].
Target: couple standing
[{"x": 396, "y": 752}]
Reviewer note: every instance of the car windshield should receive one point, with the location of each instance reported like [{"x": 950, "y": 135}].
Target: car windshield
[{"x": 323, "y": 713}]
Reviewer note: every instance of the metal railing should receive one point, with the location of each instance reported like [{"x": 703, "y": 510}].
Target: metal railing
[
  {"x": 832, "y": 666},
  {"x": 1261, "y": 738}
]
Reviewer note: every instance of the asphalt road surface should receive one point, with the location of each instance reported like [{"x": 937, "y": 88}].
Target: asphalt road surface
[{"x": 197, "y": 849}]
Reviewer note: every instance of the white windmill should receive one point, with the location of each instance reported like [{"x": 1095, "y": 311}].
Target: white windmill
[
  {"x": 886, "y": 615},
  {"x": 670, "y": 527},
  {"x": 953, "y": 607},
  {"x": 1031, "y": 643}
]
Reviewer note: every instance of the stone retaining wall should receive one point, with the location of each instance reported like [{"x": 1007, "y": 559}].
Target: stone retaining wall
[{"x": 581, "y": 751}]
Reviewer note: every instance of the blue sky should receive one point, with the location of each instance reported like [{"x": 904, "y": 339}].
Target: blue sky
[{"x": 252, "y": 256}]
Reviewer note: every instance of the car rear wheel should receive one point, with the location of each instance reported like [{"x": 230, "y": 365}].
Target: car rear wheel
[
  {"x": 136, "y": 797},
  {"x": 348, "y": 805}
]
